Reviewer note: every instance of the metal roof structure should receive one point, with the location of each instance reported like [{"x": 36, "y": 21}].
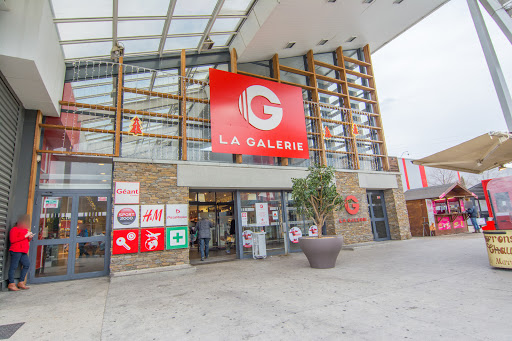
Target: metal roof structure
[{"x": 438, "y": 192}]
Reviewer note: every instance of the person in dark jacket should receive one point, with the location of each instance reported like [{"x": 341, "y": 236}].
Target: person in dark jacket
[
  {"x": 204, "y": 234},
  {"x": 473, "y": 214},
  {"x": 20, "y": 237}
]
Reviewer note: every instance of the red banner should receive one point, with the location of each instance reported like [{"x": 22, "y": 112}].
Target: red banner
[{"x": 253, "y": 116}]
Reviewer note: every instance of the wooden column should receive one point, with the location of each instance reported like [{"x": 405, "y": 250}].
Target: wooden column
[
  {"x": 33, "y": 169},
  {"x": 183, "y": 84},
  {"x": 119, "y": 105},
  {"x": 318, "y": 113},
  {"x": 340, "y": 60},
  {"x": 234, "y": 69},
  {"x": 375, "y": 106},
  {"x": 276, "y": 73}
]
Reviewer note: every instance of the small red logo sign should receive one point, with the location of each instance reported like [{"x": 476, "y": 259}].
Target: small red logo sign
[
  {"x": 125, "y": 241},
  {"x": 352, "y": 204},
  {"x": 135, "y": 128},
  {"x": 152, "y": 239},
  {"x": 126, "y": 216}
]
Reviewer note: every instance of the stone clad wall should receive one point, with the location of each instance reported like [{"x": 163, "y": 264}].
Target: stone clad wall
[
  {"x": 355, "y": 231},
  {"x": 158, "y": 185},
  {"x": 396, "y": 208}
]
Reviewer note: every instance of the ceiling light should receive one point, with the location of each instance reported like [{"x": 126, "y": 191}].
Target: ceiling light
[
  {"x": 397, "y": 2},
  {"x": 351, "y": 39},
  {"x": 290, "y": 45},
  {"x": 367, "y": 1},
  {"x": 323, "y": 42},
  {"x": 331, "y": 0},
  {"x": 101, "y": 164},
  {"x": 501, "y": 167}
]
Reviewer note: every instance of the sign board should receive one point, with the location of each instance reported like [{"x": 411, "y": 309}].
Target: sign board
[
  {"x": 275, "y": 215},
  {"x": 352, "y": 205},
  {"x": 152, "y": 215},
  {"x": 499, "y": 248},
  {"x": 176, "y": 237},
  {"x": 254, "y": 116},
  {"x": 176, "y": 215},
  {"x": 126, "y": 216},
  {"x": 261, "y": 214},
  {"x": 51, "y": 203},
  {"x": 247, "y": 238},
  {"x": 458, "y": 222},
  {"x": 244, "y": 218},
  {"x": 313, "y": 231},
  {"x": 127, "y": 192},
  {"x": 152, "y": 239},
  {"x": 125, "y": 241},
  {"x": 430, "y": 211},
  {"x": 444, "y": 224},
  {"x": 295, "y": 233},
  {"x": 102, "y": 198}
]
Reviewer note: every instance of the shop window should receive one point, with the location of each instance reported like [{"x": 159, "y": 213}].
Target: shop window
[{"x": 68, "y": 172}]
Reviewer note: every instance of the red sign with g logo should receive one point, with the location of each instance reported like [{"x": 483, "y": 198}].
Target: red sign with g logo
[{"x": 352, "y": 204}]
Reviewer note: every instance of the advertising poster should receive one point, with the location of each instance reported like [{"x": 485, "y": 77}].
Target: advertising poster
[
  {"x": 275, "y": 215},
  {"x": 152, "y": 216},
  {"x": 125, "y": 241},
  {"x": 126, "y": 216},
  {"x": 176, "y": 215},
  {"x": 295, "y": 233},
  {"x": 430, "y": 211},
  {"x": 247, "y": 238},
  {"x": 313, "y": 231},
  {"x": 458, "y": 223},
  {"x": 244, "y": 218},
  {"x": 176, "y": 237},
  {"x": 126, "y": 192},
  {"x": 152, "y": 239},
  {"x": 262, "y": 214},
  {"x": 444, "y": 224}
]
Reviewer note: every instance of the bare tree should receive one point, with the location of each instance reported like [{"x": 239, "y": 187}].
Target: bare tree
[{"x": 440, "y": 176}]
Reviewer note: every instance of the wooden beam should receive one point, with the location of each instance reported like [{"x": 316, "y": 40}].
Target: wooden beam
[
  {"x": 357, "y": 61},
  {"x": 72, "y": 153},
  {"x": 88, "y": 106},
  {"x": 117, "y": 144},
  {"x": 276, "y": 73},
  {"x": 296, "y": 71},
  {"x": 183, "y": 84},
  {"x": 306, "y": 87},
  {"x": 318, "y": 113},
  {"x": 234, "y": 68},
  {"x": 92, "y": 130},
  {"x": 255, "y": 75},
  {"x": 376, "y": 107},
  {"x": 340, "y": 60},
  {"x": 33, "y": 168},
  {"x": 358, "y": 74}
]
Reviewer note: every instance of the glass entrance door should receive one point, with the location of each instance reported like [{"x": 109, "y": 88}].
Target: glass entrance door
[
  {"x": 72, "y": 234},
  {"x": 378, "y": 215}
]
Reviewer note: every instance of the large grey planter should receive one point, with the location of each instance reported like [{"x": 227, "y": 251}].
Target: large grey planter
[{"x": 321, "y": 252}]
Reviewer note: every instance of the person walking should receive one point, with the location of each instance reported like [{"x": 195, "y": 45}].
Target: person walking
[
  {"x": 473, "y": 214},
  {"x": 20, "y": 237},
  {"x": 204, "y": 234}
]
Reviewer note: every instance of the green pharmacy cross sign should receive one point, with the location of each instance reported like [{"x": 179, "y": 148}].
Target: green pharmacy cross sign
[{"x": 176, "y": 237}]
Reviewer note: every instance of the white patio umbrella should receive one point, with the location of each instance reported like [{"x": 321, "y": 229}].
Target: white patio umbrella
[{"x": 484, "y": 152}]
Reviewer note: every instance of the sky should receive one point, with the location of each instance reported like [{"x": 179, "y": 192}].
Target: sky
[{"x": 434, "y": 87}]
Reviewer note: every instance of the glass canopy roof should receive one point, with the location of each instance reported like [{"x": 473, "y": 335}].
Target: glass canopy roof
[{"x": 88, "y": 29}]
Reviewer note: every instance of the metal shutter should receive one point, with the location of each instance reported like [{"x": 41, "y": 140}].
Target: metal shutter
[{"x": 9, "y": 114}]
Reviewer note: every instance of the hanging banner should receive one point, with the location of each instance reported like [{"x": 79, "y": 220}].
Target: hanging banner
[
  {"x": 313, "y": 231},
  {"x": 126, "y": 192},
  {"x": 152, "y": 240},
  {"x": 262, "y": 214},
  {"x": 247, "y": 238},
  {"x": 176, "y": 215},
  {"x": 125, "y": 241},
  {"x": 295, "y": 233},
  {"x": 152, "y": 216},
  {"x": 126, "y": 216},
  {"x": 253, "y": 116},
  {"x": 430, "y": 212},
  {"x": 176, "y": 237}
]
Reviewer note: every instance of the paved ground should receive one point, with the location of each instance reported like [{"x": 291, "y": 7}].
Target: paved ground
[{"x": 422, "y": 289}]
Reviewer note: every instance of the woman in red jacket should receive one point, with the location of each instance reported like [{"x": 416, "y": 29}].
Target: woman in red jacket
[{"x": 19, "y": 236}]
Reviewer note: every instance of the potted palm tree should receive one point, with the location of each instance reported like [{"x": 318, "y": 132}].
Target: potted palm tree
[{"x": 316, "y": 197}]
